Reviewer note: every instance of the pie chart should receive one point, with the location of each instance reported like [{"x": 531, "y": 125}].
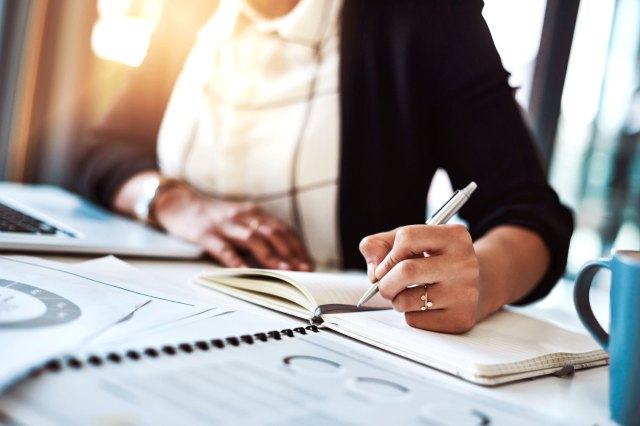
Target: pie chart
[{"x": 26, "y": 306}]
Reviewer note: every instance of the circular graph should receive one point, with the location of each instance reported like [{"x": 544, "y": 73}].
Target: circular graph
[{"x": 26, "y": 306}]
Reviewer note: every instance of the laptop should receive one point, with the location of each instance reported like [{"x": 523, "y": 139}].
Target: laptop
[{"x": 44, "y": 218}]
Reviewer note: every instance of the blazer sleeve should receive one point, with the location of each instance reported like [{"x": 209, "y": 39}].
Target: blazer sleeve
[
  {"x": 482, "y": 137},
  {"x": 124, "y": 142}
]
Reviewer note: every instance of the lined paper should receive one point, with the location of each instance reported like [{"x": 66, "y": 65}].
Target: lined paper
[{"x": 505, "y": 343}]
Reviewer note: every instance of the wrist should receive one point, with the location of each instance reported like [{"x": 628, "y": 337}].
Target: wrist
[
  {"x": 172, "y": 197},
  {"x": 492, "y": 294},
  {"x": 512, "y": 260},
  {"x": 151, "y": 190}
]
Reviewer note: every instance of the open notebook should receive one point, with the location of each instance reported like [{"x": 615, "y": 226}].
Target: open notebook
[{"x": 505, "y": 347}]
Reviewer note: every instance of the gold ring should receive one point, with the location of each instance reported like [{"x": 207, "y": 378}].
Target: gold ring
[{"x": 427, "y": 304}]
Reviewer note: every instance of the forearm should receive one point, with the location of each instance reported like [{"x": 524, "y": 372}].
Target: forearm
[{"x": 512, "y": 261}]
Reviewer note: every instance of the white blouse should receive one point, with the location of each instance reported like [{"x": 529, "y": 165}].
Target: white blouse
[{"x": 254, "y": 116}]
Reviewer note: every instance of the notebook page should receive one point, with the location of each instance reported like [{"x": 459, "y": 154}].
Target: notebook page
[
  {"x": 319, "y": 287},
  {"x": 505, "y": 343},
  {"x": 262, "y": 299},
  {"x": 265, "y": 285},
  {"x": 327, "y": 287}
]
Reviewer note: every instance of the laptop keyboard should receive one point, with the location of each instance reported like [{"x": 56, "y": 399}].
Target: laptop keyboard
[{"x": 14, "y": 221}]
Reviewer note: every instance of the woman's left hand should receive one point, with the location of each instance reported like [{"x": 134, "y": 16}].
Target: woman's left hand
[{"x": 437, "y": 261}]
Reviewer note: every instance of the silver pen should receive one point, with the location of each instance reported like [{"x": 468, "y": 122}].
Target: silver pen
[{"x": 444, "y": 213}]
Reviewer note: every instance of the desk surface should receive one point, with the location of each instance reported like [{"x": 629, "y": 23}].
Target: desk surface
[{"x": 579, "y": 399}]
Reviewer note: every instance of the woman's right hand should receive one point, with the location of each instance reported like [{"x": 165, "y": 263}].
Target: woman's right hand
[{"x": 230, "y": 232}]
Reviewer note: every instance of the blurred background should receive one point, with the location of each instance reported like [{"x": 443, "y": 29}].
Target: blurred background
[{"x": 576, "y": 64}]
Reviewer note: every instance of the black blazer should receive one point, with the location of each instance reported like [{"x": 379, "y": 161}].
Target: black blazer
[{"x": 421, "y": 86}]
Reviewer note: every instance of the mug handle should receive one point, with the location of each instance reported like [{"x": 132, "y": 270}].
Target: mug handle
[{"x": 581, "y": 300}]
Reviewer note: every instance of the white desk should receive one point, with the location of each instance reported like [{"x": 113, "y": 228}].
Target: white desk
[{"x": 578, "y": 399}]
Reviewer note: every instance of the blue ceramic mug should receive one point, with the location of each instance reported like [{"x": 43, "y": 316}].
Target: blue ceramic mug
[{"x": 623, "y": 340}]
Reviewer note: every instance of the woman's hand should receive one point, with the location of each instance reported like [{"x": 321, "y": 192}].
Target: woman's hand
[
  {"x": 443, "y": 258},
  {"x": 230, "y": 232}
]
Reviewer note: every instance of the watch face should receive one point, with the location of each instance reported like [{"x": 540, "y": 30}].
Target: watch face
[
  {"x": 26, "y": 306},
  {"x": 142, "y": 204}
]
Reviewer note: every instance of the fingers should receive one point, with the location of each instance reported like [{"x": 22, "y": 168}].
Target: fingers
[
  {"x": 429, "y": 270},
  {"x": 299, "y": 252},
  {"x": 374, "y": 248},
  {"x": 451, "y": 296},
  {"x": 222, "y": 251},
  {"x": 272, "y": 232},
  {"x": 420, "y": 240},
  {"x": 249, "y": 239},
  {"x": 224, "y": 242},
  {"x": 441, "y": 256},
  {"x": 442, "y": 320},
  {"x": 248, "y": 228},
  {"x": 226, "y": 229},
  {"x": 449, "y": 311},
  {"x": 414, "y": 299},
  {"x": 285, "y": 242}
]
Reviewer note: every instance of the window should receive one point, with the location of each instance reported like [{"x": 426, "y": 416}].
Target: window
[{"x": 595, "y": 166}]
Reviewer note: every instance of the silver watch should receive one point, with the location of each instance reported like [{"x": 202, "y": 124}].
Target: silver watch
[{"x": 151, "y": 188}]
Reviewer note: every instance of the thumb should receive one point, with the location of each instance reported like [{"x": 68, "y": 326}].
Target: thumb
[{"x": 374, "y": 249}]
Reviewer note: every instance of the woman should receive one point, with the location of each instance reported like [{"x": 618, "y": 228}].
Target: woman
[{"x": 298, "y": 128}]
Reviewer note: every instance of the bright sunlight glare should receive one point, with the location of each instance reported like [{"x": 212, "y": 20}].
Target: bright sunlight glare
[{"x": 123, "y": 30}]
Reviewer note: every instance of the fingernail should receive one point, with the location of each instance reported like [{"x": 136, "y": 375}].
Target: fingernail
[
  {"x": 284, "y": 265},
  {"x": 305, "y": 266},
  {"x": 371, "y": 271},
  {"x": 378, "y": 272}
]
